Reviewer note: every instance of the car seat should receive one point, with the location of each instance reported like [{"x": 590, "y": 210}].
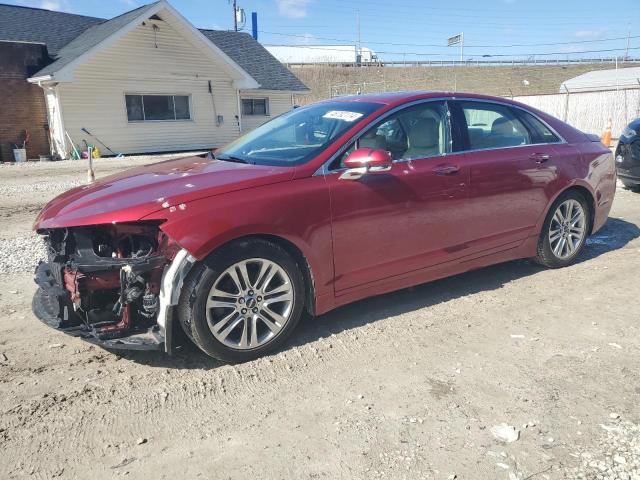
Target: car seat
[{"x": 423, "y": 139}]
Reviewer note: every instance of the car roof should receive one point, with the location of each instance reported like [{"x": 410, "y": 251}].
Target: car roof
[{"x": 394, "y": 98}]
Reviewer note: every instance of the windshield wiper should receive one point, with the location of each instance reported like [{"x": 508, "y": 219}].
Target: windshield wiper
[{"x": 231, "y": 158}]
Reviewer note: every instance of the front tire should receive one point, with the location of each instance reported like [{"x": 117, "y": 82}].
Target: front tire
[
  {"x": 564, "y": 231},
  {"x": 243, "y": 301}
]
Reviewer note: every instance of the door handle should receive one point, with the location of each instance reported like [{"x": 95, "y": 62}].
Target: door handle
[
  {"x": 446, "y": 169},
  {"x": 539, "y": 157}
]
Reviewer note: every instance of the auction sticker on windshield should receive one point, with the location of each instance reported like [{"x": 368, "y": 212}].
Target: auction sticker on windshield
[{"x": 343, "y": 115}]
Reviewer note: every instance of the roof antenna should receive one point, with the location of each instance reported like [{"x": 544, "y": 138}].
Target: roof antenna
[{"x": 155, "y": 34}]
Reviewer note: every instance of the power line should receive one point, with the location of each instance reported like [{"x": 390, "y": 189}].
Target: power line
[
  {"x": 445, "y": 46},
  {"x": 609, "y": 50}
]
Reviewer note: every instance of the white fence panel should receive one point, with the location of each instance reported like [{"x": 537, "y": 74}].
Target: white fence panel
[{"x": 590, "y": 111}]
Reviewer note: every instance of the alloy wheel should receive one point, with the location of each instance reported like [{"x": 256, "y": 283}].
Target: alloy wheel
[
  {"x": 249, "y": 303},
  {"x": 567, "y": 229}
]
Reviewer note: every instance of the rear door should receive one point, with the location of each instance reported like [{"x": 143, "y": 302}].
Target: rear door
[{"x": 511, "y": 167}]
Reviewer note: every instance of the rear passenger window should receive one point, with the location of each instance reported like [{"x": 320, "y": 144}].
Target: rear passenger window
[
  {"x": 539, "y": 131},
  {"x": 493, "y": 126}
]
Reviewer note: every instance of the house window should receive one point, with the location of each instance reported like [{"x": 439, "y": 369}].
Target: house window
[
  {"x": 255, "y": 106},
  {"x": 157, "y": 107}
]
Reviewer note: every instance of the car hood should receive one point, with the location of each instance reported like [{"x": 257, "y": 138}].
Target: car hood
[{"x": 133, "y": 194}]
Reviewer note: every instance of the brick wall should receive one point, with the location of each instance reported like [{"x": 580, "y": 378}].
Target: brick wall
[{"x": 22, "y": 105}]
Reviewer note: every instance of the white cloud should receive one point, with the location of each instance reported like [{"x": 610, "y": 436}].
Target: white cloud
[
  {"x": 56, "y": 5},
  {"x": 293, "y": 8},
  {"x": 51, "y": 5},
  {"x": 590, "y": 34},
  {"x": 570, "y": 49}
]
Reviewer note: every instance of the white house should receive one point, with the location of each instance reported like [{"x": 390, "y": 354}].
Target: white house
[{"x": 149, "y": 81}]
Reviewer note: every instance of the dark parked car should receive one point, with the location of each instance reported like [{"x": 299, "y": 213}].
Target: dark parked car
[
  {"x": 325, "y": 205},
  {"x": 628, "y": 156}
]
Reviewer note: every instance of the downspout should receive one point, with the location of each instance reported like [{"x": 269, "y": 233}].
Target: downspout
[
  {"x": 213, "y": 102},
  {"x": 52, "y": 110},
  {"x": 63, "y": 133},
  {"x": 50, "y": 140},
  {"x": 239, "y": 116}
]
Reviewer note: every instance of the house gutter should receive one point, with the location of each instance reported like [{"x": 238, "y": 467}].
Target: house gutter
[{"x": 40, "y": 80}]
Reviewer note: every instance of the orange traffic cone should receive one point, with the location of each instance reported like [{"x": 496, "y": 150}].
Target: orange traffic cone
[{"x": 606, "y": 135}]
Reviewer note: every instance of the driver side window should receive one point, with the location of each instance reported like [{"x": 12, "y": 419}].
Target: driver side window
[{"x": 416, "y": 132}]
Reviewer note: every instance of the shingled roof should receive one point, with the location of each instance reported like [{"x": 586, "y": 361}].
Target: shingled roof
[
  {"x": 255, "y": 59},
  {"x": 35, "y": 25},
  {"x": 68, "y": 36}
]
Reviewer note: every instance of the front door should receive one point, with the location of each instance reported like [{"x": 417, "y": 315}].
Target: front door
[{"x": 386, "y": 224}]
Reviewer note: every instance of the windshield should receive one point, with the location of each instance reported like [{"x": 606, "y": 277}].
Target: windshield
[{"x": 297, "y": 136}]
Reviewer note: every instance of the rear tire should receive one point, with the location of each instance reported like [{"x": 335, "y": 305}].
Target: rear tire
[
  {"x": 243, "y": 301},
  {"x": 564, "y": 231}
]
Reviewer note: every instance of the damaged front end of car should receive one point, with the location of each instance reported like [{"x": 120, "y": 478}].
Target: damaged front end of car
[{"x": 114, "y": 285}]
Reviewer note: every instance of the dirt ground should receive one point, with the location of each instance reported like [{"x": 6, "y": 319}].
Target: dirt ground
[{"x": 407, "y": 385}]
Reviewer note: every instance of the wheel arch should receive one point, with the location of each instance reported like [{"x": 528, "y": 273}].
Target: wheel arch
[
  {"x": 585, "y": 192},
  {"x": 588, "y": 196},
  {"x": 294, "y": 251}
]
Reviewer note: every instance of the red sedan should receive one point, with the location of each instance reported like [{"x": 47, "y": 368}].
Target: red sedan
[{"x": 325, "y": 205}]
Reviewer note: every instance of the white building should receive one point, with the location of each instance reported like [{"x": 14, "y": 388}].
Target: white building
[
  {"x": 149, "y": 81},
  {"x": 611, "y": 79}
]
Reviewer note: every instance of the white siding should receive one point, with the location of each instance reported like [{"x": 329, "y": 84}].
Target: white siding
[
  {"x": 278, "y": 103},
  {"x": 95, "y": 99}
]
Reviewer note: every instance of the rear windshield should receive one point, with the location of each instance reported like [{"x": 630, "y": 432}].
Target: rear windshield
[{"x": 297, "y": 136}]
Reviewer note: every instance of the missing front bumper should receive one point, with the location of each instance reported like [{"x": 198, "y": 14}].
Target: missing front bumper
[{"x": 52, "y": 306}]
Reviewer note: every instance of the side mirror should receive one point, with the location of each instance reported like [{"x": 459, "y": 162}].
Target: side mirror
[{"x": 366, "y": 160}]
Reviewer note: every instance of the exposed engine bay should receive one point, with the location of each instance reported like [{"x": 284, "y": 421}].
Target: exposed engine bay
[{"x": 103, "y": 283}]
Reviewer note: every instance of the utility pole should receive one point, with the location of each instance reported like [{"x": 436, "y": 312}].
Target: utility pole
[
  {"x": 626, "y": 54},
  {"x": 358, "y": 21},
  {"x": 235, "y": 16},
  {"x": 359, "y": 46}
]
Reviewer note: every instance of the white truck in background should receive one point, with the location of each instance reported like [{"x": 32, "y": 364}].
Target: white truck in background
[{"x": 323, "y": 54}]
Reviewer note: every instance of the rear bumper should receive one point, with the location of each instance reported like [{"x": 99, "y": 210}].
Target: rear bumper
[{"x": 52, "y": 305}]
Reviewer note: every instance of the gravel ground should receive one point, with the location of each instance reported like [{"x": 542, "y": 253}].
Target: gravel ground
[
  {"x": 32, "y": 250},
  {"x": 46, "y": 187},
  {"x": 511, "y": 372},
  {"x": 618, "y": 455},
  {"x": 34, "y": 184}
]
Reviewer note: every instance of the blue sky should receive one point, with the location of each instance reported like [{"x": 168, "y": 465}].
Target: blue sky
[{"x": 414, "y": 29}]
